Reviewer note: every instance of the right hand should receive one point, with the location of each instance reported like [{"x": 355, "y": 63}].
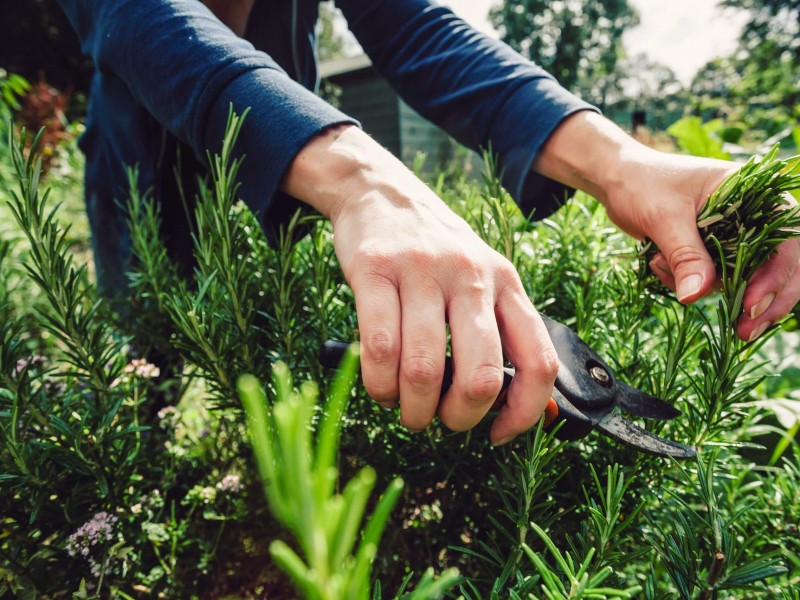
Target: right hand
[{"x": 414, "y": 267}]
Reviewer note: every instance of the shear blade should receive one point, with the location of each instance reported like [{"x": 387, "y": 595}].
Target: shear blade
[
  {"x": 639, "y": 404},
  {"x": 626, "y": 432}
]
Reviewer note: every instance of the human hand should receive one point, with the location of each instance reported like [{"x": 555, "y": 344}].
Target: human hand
[
  {"x": 415, "y": 267},
  {"x": 677, "y": 188},
  {"x": 657, "y": 195}
]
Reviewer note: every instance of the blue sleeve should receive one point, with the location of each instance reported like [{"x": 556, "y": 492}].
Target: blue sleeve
[
  {"x": 186, "y": 68},
  {"x": 478, "y": 89}
]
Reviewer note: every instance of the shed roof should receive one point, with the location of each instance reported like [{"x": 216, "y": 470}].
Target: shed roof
[{"x": 347, "y": 64}]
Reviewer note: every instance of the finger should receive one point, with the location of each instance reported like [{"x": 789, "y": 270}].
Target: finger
[
  {"x": 422, "y": 354},
  {"x": 750, "y": 329},
  {"x": 660, "y": 268},
  {"x": 528, "y": 347},
  {"x": 689, "y": 262},
  {"x": 477, "y": 360},
  {"x": 378, "y": 311},
  {"x": 768, "y": 283}
]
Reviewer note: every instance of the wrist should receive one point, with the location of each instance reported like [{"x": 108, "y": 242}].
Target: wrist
[
  {"x": 332, "y": 166},
  {"x": 588, "y": 152},
  {"x": 318, "y": 170}
]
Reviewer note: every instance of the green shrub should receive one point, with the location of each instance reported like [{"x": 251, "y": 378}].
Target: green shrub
[{"x": 172, "y": 494}]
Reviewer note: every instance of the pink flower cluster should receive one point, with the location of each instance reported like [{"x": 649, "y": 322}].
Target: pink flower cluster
[
  {"x": 230, "y": 483},
  {"x": 169, "y": 417},
  {"x": 142, "y": 368},
  {"x": 98, "y": 530},
  {"x": 33, "y": 362}
]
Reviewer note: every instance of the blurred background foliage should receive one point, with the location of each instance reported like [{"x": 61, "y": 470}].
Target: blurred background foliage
[
  {"x": 191, "y": 515},
  {"x": 755, "y": 89}
]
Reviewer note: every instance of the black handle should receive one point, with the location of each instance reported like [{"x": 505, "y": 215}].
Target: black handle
[{"x": 577, "y": 424}]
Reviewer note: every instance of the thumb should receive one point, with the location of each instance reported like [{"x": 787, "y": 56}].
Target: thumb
[{"x": 688, "y": 259}]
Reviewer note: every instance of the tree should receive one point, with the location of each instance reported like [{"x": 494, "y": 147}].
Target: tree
[
  {"x": 770, "y": 52},
  {"x": 759, "y": 84},
  {"x": 330, "y": 41},
  {"x": 643, "y": 84},
  {"x": 775, "y": 21},
  {"x": 578, "y": 41}
]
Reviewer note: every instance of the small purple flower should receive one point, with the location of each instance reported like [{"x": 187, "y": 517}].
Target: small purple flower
[{"x": 98, "y": 530}]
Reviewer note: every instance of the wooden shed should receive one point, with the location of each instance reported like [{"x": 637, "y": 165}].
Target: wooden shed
[{"x": 365, "y": 95}]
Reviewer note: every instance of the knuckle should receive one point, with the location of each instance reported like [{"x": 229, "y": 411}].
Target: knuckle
[
  {"x": 684, "y": 256},
  {"x": 546, "y": 367},
  {"x": 380, "y": 346},
  {"x": 484, "y": 384},
  {"x": 785, "y": 264},
  {"x": 421, "y": 258},
  {"x": 457, "y": 425},
  {"x": 507, "y": 272},
  {"x": 421, "y": 371},
  {"x": 509, "y": 283},
  {"x": 372, "y": 263},
  {"x": 414, "y": 422}
]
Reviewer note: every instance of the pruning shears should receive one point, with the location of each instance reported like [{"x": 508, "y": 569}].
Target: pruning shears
[{"x": 586, "y": 396}]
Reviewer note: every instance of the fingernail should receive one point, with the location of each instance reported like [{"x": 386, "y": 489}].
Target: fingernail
[
  {"x": 689, "y": 286},
  {"x": 761, "y": 306},
  {"x": 504, "y": 441},
  {"x": 758, "y": 331}
]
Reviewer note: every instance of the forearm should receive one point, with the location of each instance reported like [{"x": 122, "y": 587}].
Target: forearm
[
  {"x": 343, "y": 164},
  {"x": 479, "y": 90},
  {"x": 588, "y": 152}
]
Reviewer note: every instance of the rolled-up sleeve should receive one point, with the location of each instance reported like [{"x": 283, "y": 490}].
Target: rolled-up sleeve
[
  {"x": 187, "y": 69},
  {"x": 476, "y": 88}
]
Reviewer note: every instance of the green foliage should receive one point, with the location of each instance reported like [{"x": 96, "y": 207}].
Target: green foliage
[
  {"x": 742, "y": 223},
  {"x": 330, "y": 43},
  {"x": 299, "y": 480},
  {"x": 183, "y": 511},
  {"x": 97, "y": 485},
  {"x": 750, "y": 213},
  {"x": 698, "y": 138},
  {"x": 12, "y": 87},
  {"x": 756, "y": 87},
  {"x": 578, "y": 42},
  {"x": 702, "y": 548}
]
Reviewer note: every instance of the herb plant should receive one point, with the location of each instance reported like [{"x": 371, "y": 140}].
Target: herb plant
[{"x": 121, "y": 480}]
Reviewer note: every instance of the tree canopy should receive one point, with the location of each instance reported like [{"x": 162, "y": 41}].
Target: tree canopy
[
  {"x": 760, "y": 83},
  {"x": 578, "y": 41}
]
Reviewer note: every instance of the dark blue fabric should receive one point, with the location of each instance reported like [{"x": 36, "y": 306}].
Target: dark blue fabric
[{"x": 168, "y": 70}]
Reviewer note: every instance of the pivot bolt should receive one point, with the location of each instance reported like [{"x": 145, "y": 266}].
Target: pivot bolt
[{"x": 600, "y": 375}]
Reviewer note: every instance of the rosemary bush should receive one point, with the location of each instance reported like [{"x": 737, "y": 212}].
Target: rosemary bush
[{"x": 172, "y": 492}]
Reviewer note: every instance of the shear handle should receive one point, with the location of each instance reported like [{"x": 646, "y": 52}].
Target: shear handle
[{"x": 577, "y": 424}]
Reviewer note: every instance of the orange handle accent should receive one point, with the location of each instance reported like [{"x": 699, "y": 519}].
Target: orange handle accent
[{"x": 550, "y": 413}]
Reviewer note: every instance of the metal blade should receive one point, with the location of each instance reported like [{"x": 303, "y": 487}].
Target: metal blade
[
  {"x": 643, "y": 405},
  {"x": 626, "y": 432}
]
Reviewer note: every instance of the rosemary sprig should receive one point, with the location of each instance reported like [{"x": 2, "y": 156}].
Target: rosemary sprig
[{"x": 750, "y": 209}]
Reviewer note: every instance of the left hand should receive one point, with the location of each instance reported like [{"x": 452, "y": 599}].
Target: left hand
[
  {"x": 675, "y": 188},
  {"x": 657, "y": 195}
]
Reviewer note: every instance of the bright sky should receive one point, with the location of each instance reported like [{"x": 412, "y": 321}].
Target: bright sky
[{"x": 682, "y": 34}]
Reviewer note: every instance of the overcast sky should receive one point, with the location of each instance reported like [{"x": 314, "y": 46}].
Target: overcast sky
[{"x": 682, "y": 34}]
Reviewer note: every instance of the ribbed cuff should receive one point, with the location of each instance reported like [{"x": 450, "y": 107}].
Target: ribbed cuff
[{"x": 527, "y": 120}]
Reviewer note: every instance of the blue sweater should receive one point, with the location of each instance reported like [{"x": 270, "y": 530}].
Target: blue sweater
[{"x": 166, "y": 72}]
